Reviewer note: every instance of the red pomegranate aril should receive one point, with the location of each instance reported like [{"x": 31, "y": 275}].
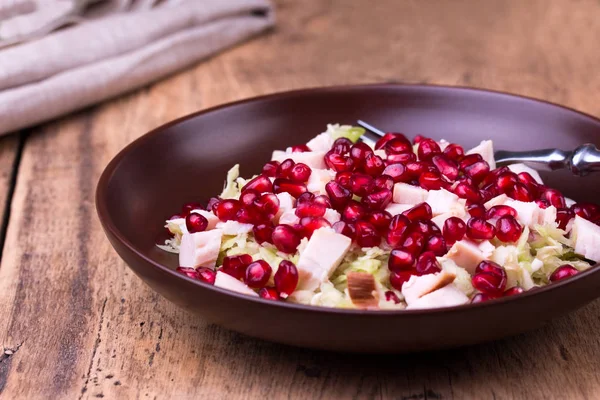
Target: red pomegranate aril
[
  {"x": 418, "y": 138},
  {"x": 236, "y": 265},
  {"x": 397, "y": 172},
  {"x": 468, "y": 160},
  {"x": 420, "y": 212},
  {"x": 383, "y": 182},
  {"x": 285, "y": 238},
  {"x": 477, "y": 171},
  {"x": 258, "y": 274},
  {"x": 427, "y": 149},
  {"x": 189, "y": 272},
  {"x": 433, "y": 228},
  {"x": 481, "y": 297},
  {"x": 397, "y": 279},
  {"x": 267, "y": 205},
  {"x": 212, "y": 204},
  {"x": 295, "y": 189},
  {"x": 310, "y": 209},
  {"x": 343, "y": 178},
  {"x": 306, "y": 197},
  {"x": 500, "y": 211},
  {"x": 359, "y": 152},
  {"x": 353, "y": 212},
  {"x": 323, "y": 200},
  {"x": 195, "y": 222},
  {"x": 361, "y": 184},
  {"x": 508, "y": 230},
  {"x": 585, "y": 210},
  {"x": 286, "y": 278},
  {"x": 268, "y": 293},
  {"x": 431, "y": 181},
  {"x": 250, "y": 215},
  {"x": 563, "y": 272},
  {"x": 339, "y": 195},
  {"x": 454, "y": 152},
  {"x": 310, "y": 224},
  {"x": 413, "y": 242},
  {"x": 338, "y": 162},
  {"x": 454, "y": 229},
  {"x": 389, "y": 136},
  {"x": 377, "y": 200},
  {"x": 397, "y": 145},
  {"x": 437, "y": 245},
  {"x": 263, "y": 233},
  {"x": 415, "y": 169},
  {"x": 513, "y": 291},
  {"x": 490, "y": 284},
  {"x": 427, "y": 264},
  {"x": 300, "y": 172},
  {"x": 284, "y": 169},
  {"x": 373, "y": 165},
  {"x": 188, "y": 207},
  {"x": 490, "y": 267},
  {"x": 270, "y": 169},
  {"x": 391, "y": 296},
  {"x": 446, "y": 166},
  {"x": 506, "y": 181},
  {"x": 543, "y": 204},
  {"x": 480, "y": 229},
  {"x": 261, "y": 184},
  {"x": 466, "y": 191},
  {"x": 521, "y": 192},
  {"x": 398, "y": 225},
  {"x": 488, "y": 193},
  {"x": 554, "y": 197},
  {"x": 206, "y": 275},
  {"x": 563, "y": 216},
  {"x": 345, "y": 228},
  {"x": 526, "y": 179},
  {"x": 300, "y": 148},
  {"x": 400, "y": 260},
  {"x": 341, "y": 146},
  {"x": 249, "y": 196},
  {"x": 401, "y": 158},
  {"x": 476, "y": 210},
  {"x": 490, "y": 179},
  {"x": 227, "y": 209},
  {"x": 367, "y": 235},
  {"x": 380, "y": 220}
]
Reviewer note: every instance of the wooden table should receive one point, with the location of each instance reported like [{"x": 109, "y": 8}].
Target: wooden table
[{"x": 76, "y": 323}]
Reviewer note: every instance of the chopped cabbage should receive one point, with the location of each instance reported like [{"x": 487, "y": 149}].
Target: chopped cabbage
[
  {"x": 463, "y": 278},
  {"x": 232, "y": 189},
  {"x": 350, "y": 132}
]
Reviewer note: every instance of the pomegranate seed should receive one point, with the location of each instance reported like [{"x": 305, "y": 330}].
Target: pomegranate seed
[
  {"x": 380, "y": 220},
  {"x": 454, "y": 229},
  {"x": 415, "y": 169},
  {"x": 300, "y": 148},
  {"x": 236, "y": 265},
  {"x": 554, "y": 197},
  {"x": 454, "y": 152},
  {"x": 250, "y": 215},
  {"x": 387, "y": 137},
  {"x": 306, "y": 197},
  {"x": 391, "y": 296},
  {"x": 468, "y": 160},
  {"x": 213, "y": 202},
  {"x": 491, "y": 178},
  {"x": 188, "y": 207},
  {"x": 378, "y": 200},
  {"x": 476, "y": 210},
  {"x": 258, "y": 274},
  {"x": 267, "y": 205},
  {"x": 374, "y": 165},
  {"x": 366, "y": 235},
  {"x": 583, "y": 209},
  {"x": 310, "y": 210},
  {"x": 508, "y": 230},
  {"x": 528, "y": 180},
  {"x": 413, "y": 242},
  {"x": 490, "y": 278},
  {"x": 300, "y": 172},
  {"x": 506, "y": 181},
  {"x": 480, "y": 298},
  {"x": 338, "y": 162},
  {"x": 286, "y": 277},
  {"x": 206, "y": 275},
  {"x": 263, "y": 233},
  {"x": 397, "y": 279},
  {"x": 513, "y": 291},
  {"x": 543, "y": 204},
  {"x": 433, "y": 229},
  {"x": 480, "y": 229},
  {"x": 446, "y": 166},
  {"x": 189, "y": 272},
  {"x": 477, "y": 171},
  {"x": 563, "y": 216},
  {"x": 345, "y": 228},
  {"x": 353, "y": 212},
  {"x": 427, "y": 264},
  {"x": 420, "y": 212},
  {"x": 431, "y": 181},
  {"x": 500, "y": 211},
  {"x": 261, "y": 184},
  {"x": 520, "y": 192},
  {"x": 268, "y": 293},
  {"x": 341, "y": 146},
  {"x": 311, "y": 224},
  {"x": 227, "y": 209},
  {"x": 338, "y": 195},
  {"x": 270, "y": 169},
  {"x": 563, "y": 272},
  {"x": 466, "y": 191},
  {"x": 427, "y": 149},
  {"x": 401, "y": 158},
  {"x": 295, "y": 189},
  {"x": 401, "y": 260},
  {"x": 397, "y": 172},
  {"x": 361, "y": 184},
  {"x": 195, "y": 223},
  {"x": 249, "y": 196},
  {"x": 343, "y": 178},
  {"x": 323, "y": 200},
  {"x": 397, "y": 227},
  {"x": 398, "y": 145},
  {"x": 383, "y": 182},
  {"x": 359, "y": 152},
  {"x": 417, "y": 139},
  {"x": 437, "y": 245},
  {"x": 285, "y": 238},
  {"x": 284, "y": 169}
]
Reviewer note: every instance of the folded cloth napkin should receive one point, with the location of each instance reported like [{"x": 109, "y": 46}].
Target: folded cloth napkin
[{"x": 57, "y": 56}]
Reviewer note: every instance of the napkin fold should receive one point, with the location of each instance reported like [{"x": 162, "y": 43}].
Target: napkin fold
[{"x": 84, "y": 51}]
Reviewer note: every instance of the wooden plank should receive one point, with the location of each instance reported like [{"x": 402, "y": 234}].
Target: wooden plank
[
  {"x": 9, "y": 147},
  {"x": 88, "y": 328}
]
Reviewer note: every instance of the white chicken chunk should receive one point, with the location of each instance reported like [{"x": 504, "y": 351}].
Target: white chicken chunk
[
  {"x": 226, "y": 281},
  {"x": 530, "y": 214},
  {"x": 286, "y": 203},
  {"x": 322, "y": 255},
  {"x": 520, "y": 167},
  {"x": 448, "y": 296},
  {"x": 332, "y": 216},
  {"x": 314, "y": 159},
  {"x": 468, "y": 254},
  {"x": 496, "y": 201},
  {"x": 321, "y": 142},
  {"x": 289, "y": 217},
  {"x": 586, "y": 236},
  {"x": 418, "y": 286},
  {"x": 409, "y": 194},
  {"x": 234, "y": 227},
  {"x": 318, "y": 179},
  {"x": 200, "y": 249},
  {"x": 443, "y": 201},
  {"x": 486, "y": 150},
  {"x": 381, "y": 153}
]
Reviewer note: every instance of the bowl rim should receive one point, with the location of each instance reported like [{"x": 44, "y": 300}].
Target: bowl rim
[{"x": 110, "y": 227}]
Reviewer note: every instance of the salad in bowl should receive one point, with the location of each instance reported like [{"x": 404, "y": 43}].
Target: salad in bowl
[{"x": 400, "y": 225}]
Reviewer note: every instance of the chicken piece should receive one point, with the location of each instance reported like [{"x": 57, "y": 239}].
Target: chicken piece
[
  {"x": 586, "y": 236},
  {"x": 409, "y": 194},
  {"x": 226, "y": 281},
  {"x": 496, "y": 201},
  {"x": 200, "y": 249},
  {"x": 486, "y": 149},
  {"x": 381, "y": 153},
  {"x": 442, "y": 201},
  {"x": 419, "y": 286},
  {"x": 321, "y": 142},
  {"x": 286, "y": 203},
  {"x": 448, "y": 296},
  {"x": 289, "y": 217},
  {"x": 362, "y": 290},
  {"x": 318, "y": 179},
  {"x": 234, "y": 227},
  {"x": 530, "y": 214},
  {"x": 314, "y": 159},
  {"x": 520, "y": 167},
  {"x": 332, "y": 216},
  {"x": 466, "y": 254}
]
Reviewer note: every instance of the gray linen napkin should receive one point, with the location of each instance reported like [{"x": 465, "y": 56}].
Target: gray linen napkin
[{"x": 107, "y": 47}]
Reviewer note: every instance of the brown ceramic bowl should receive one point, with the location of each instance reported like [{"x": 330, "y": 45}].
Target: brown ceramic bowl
[{"x": 187, "y": 160}]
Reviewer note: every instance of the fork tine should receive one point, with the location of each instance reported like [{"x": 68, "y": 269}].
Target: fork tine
[{"x": 370, "y": 128}]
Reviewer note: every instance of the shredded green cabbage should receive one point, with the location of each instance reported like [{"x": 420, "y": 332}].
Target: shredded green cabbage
[
  {"x": 232, "y": 188},
  {"x": 350, "y": 132}
]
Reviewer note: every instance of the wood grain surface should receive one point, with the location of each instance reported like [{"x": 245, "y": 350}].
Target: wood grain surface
[{"x": 75, "y": 323}]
